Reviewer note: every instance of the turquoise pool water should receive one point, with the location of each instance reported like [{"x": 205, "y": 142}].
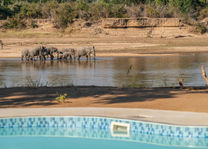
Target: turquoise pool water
[
  {"x": 74, "y": 143},
  {"x": 96, "y": 133}
]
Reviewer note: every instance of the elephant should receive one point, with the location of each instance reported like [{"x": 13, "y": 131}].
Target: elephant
[
  {"x": 1, "y": 43},
  {"x": 38, "y": 52},
  {"x": 85, "y": 51},
  {"x": 66, "y": 53},
  {"x": 51, "y": 51},
  {"x": 25, "y": 54}
]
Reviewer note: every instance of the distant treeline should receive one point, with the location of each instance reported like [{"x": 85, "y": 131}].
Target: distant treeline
[{"x": 64, "y": 12}]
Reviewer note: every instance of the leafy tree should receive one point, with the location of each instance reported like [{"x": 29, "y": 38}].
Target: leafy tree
[
  {"x": 64, "y": 15},
  {"x": 5, "y": 12}
]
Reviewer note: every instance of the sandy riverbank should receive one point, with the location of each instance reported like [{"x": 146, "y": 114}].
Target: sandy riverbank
[
  {"x": 194, "y": 100},
  {"x": 109, "y": 45}
]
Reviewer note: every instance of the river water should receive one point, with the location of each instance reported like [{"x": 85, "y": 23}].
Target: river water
[{"x": 153, "y": 71}]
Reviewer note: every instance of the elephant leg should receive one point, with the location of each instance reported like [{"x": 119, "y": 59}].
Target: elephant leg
[
  {"x": 70, "y": 57},
  {"x": 51, "y": 56},
  {"x": 57, "y": 56},
  {"x": 43, "y": 58},
  {"x": 79, "y": 57}
]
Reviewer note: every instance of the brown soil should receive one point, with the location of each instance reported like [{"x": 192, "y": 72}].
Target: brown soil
[{"x": 189, "y": 99}]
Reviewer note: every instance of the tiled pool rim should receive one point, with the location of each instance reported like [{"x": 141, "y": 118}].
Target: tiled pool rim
[
  {"x": 99, "y": 128},
  {"x": 104, "y": 123}
]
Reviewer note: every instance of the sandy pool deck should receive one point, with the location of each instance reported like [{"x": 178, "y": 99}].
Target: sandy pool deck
[{"x": 158, "y": 116}]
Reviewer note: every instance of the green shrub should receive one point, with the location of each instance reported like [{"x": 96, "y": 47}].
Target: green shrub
[
  {"x": 152, "y": 12},
  {"x": 49, "y": 9},
  {"x": 64, "y": 16},
  {"x": 118, "y": 11},
  {"x": 82, "y": 10},
  {"x": 63, "y": 12},
  {"x": 201, "y": 28},
  {"x": 203, "y": 13},
  {"x": 14, "y": 23},
  {"x": 5, "y": 12},
  {"x": 32, "y": 10},
  {"x": 61, "y": 98},
  {"x": 33, "y": 24}
]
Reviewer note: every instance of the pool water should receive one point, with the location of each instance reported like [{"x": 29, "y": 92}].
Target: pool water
[
  {"x": 96, "y": 133},
  {"x": 74, "y": 143}
]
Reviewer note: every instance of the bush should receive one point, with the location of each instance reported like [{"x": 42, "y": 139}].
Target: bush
[
  {"x": 49, "y": 9},
  {"x": 203, "y": 13},
  {"x": 30, "y": 11},
  {"x": 118, "y": 11},
  {"x": 5, "y": 12},
  {"x": 15, "y": 23},
  {"x": 82, "y": 10},
  {"x": 33, "y": 24},
  {"x": 63, "y": 12},
  {"x": 201, "y": 28},
  {"x": 64, "y": 16}
]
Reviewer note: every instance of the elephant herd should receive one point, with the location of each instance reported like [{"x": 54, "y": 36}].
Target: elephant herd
[{"x": 42, "y": 53}]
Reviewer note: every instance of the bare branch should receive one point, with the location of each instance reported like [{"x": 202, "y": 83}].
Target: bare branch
[
  {"x": 180, "y": 81},
  {"x": 204, "y": 75}
]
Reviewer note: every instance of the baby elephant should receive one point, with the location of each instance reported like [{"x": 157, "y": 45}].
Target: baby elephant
[
  {"x": 67, "y": 53},
  {"x": 85, "y": 51}
]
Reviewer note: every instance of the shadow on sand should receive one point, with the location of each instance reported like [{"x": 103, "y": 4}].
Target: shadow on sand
[{"x": 46, "y": 96}]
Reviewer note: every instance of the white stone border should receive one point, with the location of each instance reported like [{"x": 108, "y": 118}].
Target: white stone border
[{"x": 158, "y": 116}]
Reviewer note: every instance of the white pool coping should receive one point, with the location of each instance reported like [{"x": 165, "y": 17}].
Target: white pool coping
[{"x": 158, "y": 116}]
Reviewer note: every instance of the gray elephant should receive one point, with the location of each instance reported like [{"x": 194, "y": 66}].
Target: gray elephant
[
  {"x": 85, "y": 51},
  {"x": 1, "y": 43},
  {"x": 25, "y": 54},
  {"x": 51, "y": 51},
  {"x": 37, "y": 52},
  {"x": 66, "y": 53}
]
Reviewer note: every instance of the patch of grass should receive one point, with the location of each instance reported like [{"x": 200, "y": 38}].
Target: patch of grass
[
  {"x": 28, "y": 34},
  {"x": 34, "y": 83},
  {"x": 61, "y": 98}
]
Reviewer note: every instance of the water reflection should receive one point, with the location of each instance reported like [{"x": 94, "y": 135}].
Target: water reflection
[{"x": 116, "y": 71}]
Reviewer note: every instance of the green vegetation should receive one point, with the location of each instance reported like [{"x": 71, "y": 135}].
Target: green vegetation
[
  {"x": 61, "y": 98},
  {"x": 64, "y": 12}
]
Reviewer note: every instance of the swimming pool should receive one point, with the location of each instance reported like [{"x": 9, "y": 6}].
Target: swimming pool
[{"x": 96, "y": 132}]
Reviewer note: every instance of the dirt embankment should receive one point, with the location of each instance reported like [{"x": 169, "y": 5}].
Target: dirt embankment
[{"x": 111, "y": 37}]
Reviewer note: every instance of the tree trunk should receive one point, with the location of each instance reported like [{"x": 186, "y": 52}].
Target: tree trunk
[{"x": 2, "y": 2}]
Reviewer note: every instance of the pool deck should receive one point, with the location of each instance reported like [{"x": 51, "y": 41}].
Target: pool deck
[{"x": 158, "y": 116}]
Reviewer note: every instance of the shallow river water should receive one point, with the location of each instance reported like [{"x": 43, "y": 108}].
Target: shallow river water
[{"x": 154, "y": 71}]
